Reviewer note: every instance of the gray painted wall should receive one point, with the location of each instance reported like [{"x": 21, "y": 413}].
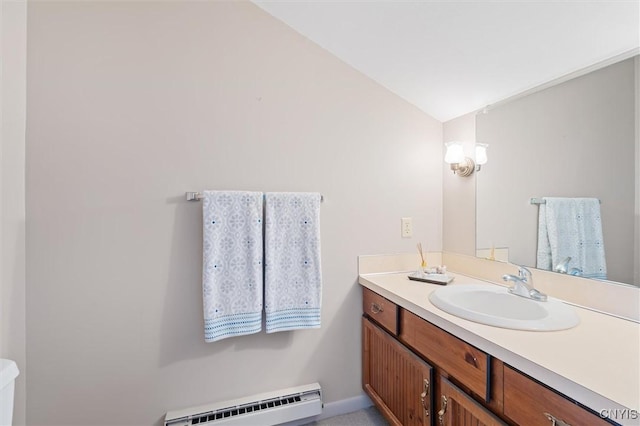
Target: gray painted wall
[
  {"x": 13, "y": 39},
  {"x": 636, "y": 273},
  {"x": 130, "y": 104}
]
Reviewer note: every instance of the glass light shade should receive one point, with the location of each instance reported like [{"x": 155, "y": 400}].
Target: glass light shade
[
  {"x": 481, "y": 153},
  {"x": 455, "y": 153}
]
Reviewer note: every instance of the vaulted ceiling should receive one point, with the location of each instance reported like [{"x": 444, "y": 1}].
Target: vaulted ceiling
[{"x": 452, "y": 57}]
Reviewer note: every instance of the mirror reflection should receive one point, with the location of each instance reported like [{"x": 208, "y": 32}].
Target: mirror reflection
[{"x": 563, "y": 165}]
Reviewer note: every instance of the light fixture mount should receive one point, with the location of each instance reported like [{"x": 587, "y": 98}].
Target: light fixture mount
[
  {"x": 462, "y": 165},
  {"x": 464, "y": 168}
]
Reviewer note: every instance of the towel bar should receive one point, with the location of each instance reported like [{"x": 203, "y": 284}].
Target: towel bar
[
  {"x": 196, "y": 196},
  {"x": 541, "y": 201}
]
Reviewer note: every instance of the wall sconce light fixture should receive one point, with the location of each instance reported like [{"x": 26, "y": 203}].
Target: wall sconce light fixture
[
  {"x": 462, "y": 165},
  {"x": 481, "y": 155}
]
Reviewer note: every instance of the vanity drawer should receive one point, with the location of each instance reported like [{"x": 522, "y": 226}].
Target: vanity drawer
[
  {"x": 464, "y": 363},
  {"x": 380, "y": 310},
  {"x": 528, "y": 402}
]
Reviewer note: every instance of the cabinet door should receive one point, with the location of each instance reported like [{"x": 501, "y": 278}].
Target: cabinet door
[
  {"x": 459, "y": 409},
  {"x": 399, "y": 383}
]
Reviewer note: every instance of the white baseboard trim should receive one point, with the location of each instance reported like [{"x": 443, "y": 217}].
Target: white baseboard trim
[
  {"x": 337, "y": 408},
  {"x": 345, "y": 406}
]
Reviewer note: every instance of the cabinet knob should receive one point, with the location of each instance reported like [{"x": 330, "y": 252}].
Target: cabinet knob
[
  {"x": 555, "y": 421},
  {"x": 375, "y": 308},
  {"x": 470, "y": 359},
  {"x": 442, "y": 411},
  {"x": 423, "y": 395}
]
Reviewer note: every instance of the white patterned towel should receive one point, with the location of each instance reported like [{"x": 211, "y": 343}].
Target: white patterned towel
[
  {"x": 571, "y": 227},
  {"x": 293, "y": 276},
  {"x": 232, "y": 263}
]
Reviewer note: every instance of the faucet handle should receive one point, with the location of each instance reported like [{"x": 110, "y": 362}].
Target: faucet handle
[{"x": 524, "y": 273}]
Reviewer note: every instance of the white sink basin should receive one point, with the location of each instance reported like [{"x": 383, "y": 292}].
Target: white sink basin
[{"x": 493, "y": 305}]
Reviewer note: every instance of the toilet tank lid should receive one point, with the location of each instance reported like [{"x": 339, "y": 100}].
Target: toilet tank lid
[{"x": 8, "y": 372}]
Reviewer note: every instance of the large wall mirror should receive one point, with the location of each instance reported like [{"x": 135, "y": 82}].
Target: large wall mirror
[{"x": 577, "y": 138}]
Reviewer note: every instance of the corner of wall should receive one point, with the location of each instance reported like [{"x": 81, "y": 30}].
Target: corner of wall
[{"x": 459, "y": 193}]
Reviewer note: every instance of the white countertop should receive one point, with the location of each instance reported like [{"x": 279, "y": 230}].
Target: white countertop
[{"x": 596, "y": 363}]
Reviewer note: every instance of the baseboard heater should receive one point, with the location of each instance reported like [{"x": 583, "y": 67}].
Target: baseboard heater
[{"x": 271, "y": 408}]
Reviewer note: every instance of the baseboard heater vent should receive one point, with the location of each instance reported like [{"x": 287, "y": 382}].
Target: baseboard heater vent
[{"x": 270, "y": 408}]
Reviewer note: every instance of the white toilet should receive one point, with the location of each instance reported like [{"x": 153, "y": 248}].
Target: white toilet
[{"x": 8, "y": 373}]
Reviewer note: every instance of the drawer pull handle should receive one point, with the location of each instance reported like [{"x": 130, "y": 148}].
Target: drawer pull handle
[
  {"x": 470, "y": 359},
  {"x": 376, "y": 309},
  {"x": 443, "y": 410},
  {"x": 423, "y": 395},
  {"x": 555, "y": 421}
]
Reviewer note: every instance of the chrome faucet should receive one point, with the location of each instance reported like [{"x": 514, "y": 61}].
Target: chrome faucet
[
  {"x": 576, "y": 272},
  {"x": 523, "y": 285},
  {"x": 563, "y": 267}
]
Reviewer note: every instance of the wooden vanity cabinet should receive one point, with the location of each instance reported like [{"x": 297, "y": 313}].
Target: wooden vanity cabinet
[
  {"x": 455, "y": 360},
  {"x": 528, "y": 402},
  {"x": 398, "y": 382},
  {"x": 382, "y": 311},
  {"x": 419, "y": 374},
  {"x": 457, "y": 408},
  {"x": 456, "y": 357}
]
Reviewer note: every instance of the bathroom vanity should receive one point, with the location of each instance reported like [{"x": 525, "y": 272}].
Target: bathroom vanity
[{"x": 423, "y": 366}]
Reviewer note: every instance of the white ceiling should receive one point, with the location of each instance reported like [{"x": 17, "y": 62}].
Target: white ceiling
[{"x": 452, "y": 57}]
